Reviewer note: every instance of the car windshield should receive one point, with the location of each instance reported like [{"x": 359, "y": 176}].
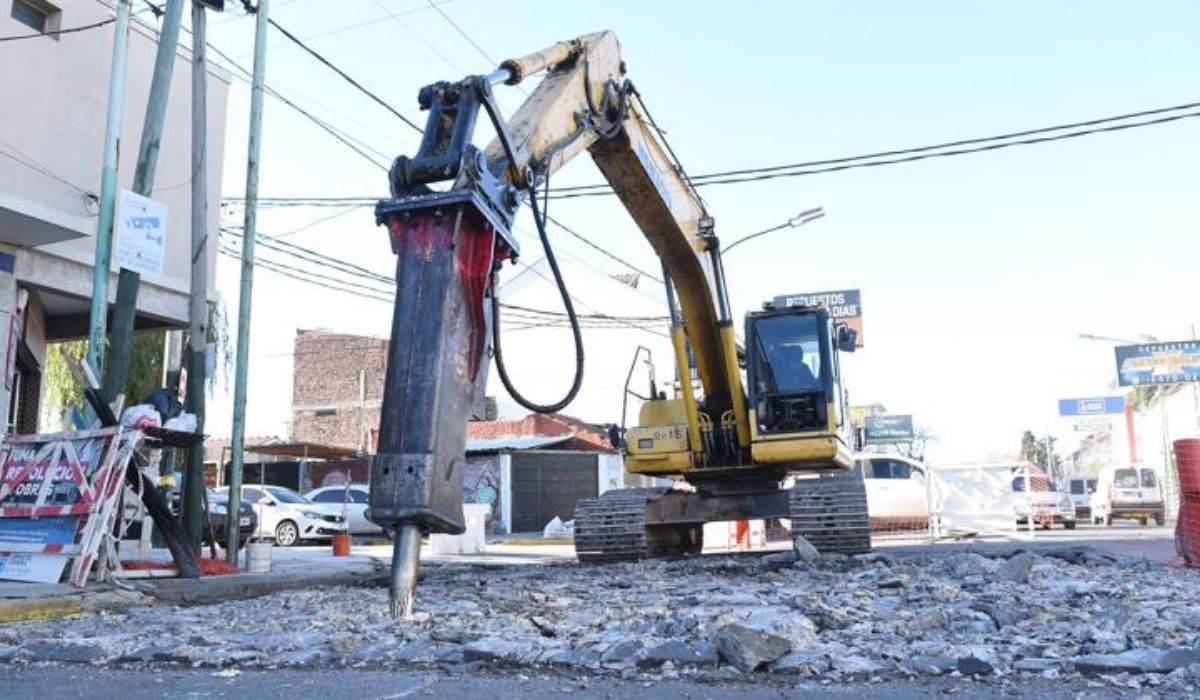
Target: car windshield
[
  {"x": 1125, "y": 478},
  {"x": 287, "y": 495},
  {"x": 1148, "y": 480},
  {"x": 789, "y": 352},
  {"x": 1077, "y": 487}
]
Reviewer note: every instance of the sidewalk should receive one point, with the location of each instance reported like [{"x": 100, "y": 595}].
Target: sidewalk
[
  {"x": 302, "y": 569},
  {"x": 292, "y": 568}
]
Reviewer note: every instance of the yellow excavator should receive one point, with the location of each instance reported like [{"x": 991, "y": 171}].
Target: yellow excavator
[{"x": 732, "y": 446}]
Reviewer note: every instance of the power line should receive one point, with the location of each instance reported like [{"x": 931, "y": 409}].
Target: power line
[
  {"x": 728, "y": 176},
  {"x": 602, "y": 251},
  {"x": 60, "y": 32},
  {"x": 375, "y": 98},
  {"x": 462, "y": 33}
]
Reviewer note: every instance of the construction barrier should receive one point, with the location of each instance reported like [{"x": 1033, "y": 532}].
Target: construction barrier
[{"x": 1187, "y": 527}]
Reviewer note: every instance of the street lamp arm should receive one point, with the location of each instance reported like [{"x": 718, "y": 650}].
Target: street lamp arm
[{"x": 797, "y": 221}]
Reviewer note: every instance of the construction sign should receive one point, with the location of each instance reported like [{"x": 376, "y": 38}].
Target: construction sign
[
  {"x": 844, "y": 306},
  {"x": 57, "y": 496}
]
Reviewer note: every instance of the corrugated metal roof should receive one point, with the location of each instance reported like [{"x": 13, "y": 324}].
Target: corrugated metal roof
[{"x": 514, "y": 442}]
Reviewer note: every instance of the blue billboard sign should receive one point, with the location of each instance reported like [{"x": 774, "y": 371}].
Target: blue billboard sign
[
  {"x": 888, "y": 429},
  {"x": 1158, "y": 363},
  {"x": 1096, "y": 406}
]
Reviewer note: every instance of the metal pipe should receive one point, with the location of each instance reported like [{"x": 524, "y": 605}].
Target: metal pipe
[
  {"x": 406, "y": 557},
  {"x": 98, "y": 315},
  {"x": 250, "y": 230},
  {"x": 198, "y": 299}
]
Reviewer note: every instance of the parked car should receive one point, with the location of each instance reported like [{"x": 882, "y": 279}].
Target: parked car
[
  {"x": 290, "y": 518},
  {"x": 1080, "y": 489},
  {"x": 1129, "y": 493},
  {"x": 218, "y": 508},
  {"x": 355, "y": 497},
  {"x": 1039, "y": 497},
  {"x": 897, "y": 492}
]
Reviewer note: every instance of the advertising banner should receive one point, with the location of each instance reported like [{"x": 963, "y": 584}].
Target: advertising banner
[
  {"x": 1158, "y": 363},
  {"x": 889, "y": 429},
  {"x": 844, "y": 305}
]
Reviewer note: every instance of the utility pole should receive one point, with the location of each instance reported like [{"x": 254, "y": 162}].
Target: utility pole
[
  {"x": 250, "y": 230},
  {"x": 193, "y": 505},
  {"x": 98, "y": 317},
  {"x": 125, "y": 309}
]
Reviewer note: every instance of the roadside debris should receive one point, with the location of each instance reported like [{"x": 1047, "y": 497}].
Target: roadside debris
[{"x": 1071, "y": 614}]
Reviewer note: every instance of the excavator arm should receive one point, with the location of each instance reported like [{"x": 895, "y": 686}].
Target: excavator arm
[{"x": 450, "y": 244}]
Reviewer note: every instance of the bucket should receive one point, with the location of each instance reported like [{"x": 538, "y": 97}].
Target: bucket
[
  {"x": 258, "y": 556},
  {"x": 341, "y": 545}
]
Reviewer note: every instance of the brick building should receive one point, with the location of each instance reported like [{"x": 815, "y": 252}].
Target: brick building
[{"x": 337, "y": 389}]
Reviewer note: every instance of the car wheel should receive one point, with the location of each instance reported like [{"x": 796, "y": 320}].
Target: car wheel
[
  {"x": 1069, "y": 525},
  {"x": 1158, "y": 520},
  {"x": 1108, "y": 521},
  {"x": 286, "y": 534},
  {"x": 1144, "y": 521}
]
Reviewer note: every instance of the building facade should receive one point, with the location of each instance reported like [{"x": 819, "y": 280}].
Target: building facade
[{"x": 54, "y": 90}]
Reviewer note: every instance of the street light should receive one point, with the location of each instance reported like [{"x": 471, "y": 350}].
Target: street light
[{"x": 796, "y": 221}]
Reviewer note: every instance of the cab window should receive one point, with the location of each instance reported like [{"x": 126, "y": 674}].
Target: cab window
[
  {"x": 1148, "y": 480},
  {"x": 1125, "y": 478},
  {"x": 789, "y": 353}
]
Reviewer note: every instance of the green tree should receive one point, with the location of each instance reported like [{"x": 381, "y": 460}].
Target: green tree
[
  {"x": 61, "y": 389},
  {"x": 1033, "y": 449}
]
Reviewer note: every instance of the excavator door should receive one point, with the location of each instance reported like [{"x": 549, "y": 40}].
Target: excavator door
[{"x": 797, "y": 408}]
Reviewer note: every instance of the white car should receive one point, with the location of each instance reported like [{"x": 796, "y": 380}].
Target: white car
[
  {"x": 355, "y": 499},
  {"x": 290, "y": 518},
  {"x": 897, "y": 492},
  {"x": 1039, "y": 497}
]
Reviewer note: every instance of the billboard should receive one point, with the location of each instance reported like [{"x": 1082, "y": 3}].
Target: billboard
[
  {"x": 888, "y": 429},
  {"x": 844, "y": 305},
  {"x": 1158, "y": 363},
  {"x": 1095, "y": 406},
  {"x": 140, "y": 234}
]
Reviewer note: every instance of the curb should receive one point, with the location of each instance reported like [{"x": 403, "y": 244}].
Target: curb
[{"x": 208, "y": 590}]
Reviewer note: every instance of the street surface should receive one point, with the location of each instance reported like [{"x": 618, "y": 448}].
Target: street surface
[{"x": 906, "y": 621}]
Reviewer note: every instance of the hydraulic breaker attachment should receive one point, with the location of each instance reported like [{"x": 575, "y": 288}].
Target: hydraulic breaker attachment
[
  {"x": 437, "y": 364},
  {"x": 448, "y": 246}
]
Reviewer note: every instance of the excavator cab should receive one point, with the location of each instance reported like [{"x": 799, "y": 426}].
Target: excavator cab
[{"x": 796, "y": 403}]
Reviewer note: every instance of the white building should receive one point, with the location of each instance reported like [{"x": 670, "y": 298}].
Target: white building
[{"x": 53, "y": 102}]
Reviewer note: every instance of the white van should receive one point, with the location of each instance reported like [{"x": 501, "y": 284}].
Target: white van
[
  {"x": 1080, "y": 489},
  {"x": 1127, "y": 493}
]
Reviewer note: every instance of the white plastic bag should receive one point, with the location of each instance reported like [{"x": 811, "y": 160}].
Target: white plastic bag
[
  {"x": 184, "y": 422},
  {"x": 141, "y": 416},
  {"x": 556, "y": 529}
]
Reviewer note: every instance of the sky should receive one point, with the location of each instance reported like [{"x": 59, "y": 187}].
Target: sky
[{"x": 978, "y": 273}]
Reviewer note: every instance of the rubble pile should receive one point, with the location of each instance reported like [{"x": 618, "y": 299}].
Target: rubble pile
[{"x": 1069, "y": 613}]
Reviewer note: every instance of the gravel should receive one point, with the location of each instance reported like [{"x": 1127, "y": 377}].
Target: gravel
[{"x": 876, "y": 617}]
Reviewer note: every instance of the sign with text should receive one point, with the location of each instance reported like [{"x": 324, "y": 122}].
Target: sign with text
[
  {"x": 1158, "y": 363},
  {"x": 845, "y": 306},
  {"x": 141, "y": 234},
  {"x": 1096, "y": 406},
  {"x": 888, "y": 429}
]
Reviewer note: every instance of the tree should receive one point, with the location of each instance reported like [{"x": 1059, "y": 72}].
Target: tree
[
  {"x": 61, "y": 389},
  {"x": 1033, "y": 449},
  {"x": 915, "y": 448}
]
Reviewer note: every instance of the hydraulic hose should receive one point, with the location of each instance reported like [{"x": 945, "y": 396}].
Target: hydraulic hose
[{"x": 540, "y": 219}]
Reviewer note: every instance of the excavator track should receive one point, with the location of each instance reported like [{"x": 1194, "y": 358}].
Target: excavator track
[
  {"x": 831, "y": 513},
  {"x": 613, "y": 528}
]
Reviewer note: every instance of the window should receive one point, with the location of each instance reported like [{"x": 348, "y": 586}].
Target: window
[
  {"x": 286, "y": 495},
  {"x": 360, "y": 496},
  {"x": 789, "y": 352},
  {"x": 881, "y": 469},
  {"x": 1125, "y": 478},
  {"x": 38, "y": 15},
  {"x": 1077, "y": 487},
  {"x": 330, "y": 496},
  {"x": 901, "y": 470},
  {"x": 251, "y": 495},
  {"x": 1148, "y": 480},
  {"x": 1019, "y": 484}
]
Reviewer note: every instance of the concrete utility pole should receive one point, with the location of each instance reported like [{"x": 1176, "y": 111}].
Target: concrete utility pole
[
  {"x": 98, "y": 317},
  {"x": 193, "y": 506},
  {"x": 125, "y": 309},
  {"x": 250, "y": 230}
]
